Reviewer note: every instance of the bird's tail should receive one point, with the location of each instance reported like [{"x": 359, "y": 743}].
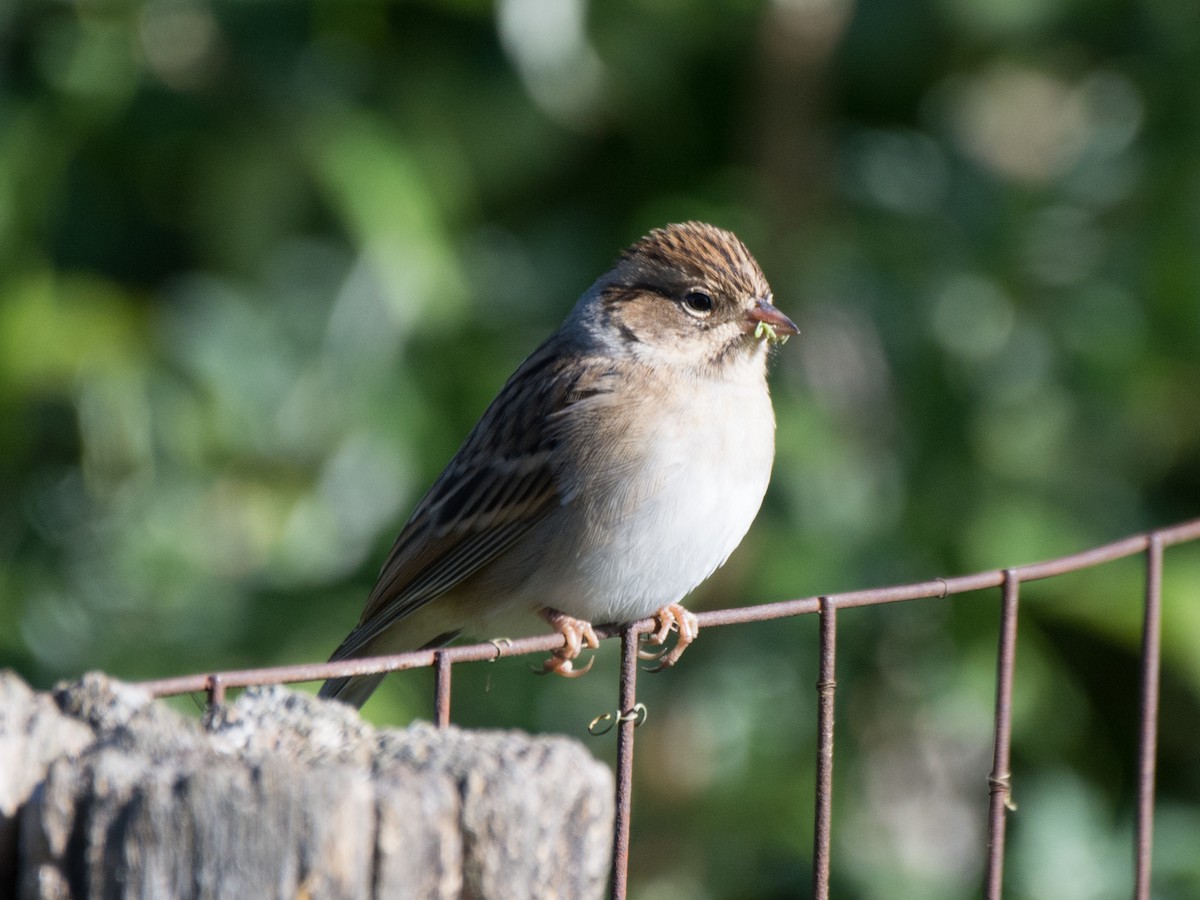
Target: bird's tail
[
  {"x": 353, "y": 689},
  {"x": 356, "y": 689}
]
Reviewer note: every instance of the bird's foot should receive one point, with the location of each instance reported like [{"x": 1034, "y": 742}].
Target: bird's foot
[
  {"x": 577, "y": 633},
  {"x": 671, "y": 618}
]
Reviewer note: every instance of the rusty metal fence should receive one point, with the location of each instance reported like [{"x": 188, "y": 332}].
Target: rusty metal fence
[{"x": 1009, "y": 581}]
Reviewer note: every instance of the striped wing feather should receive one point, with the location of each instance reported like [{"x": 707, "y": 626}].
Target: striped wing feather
[{"x": 500, "y": 484}]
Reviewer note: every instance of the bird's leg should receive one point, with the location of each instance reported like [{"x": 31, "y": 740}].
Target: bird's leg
[
  {"x": 671, "y": 617},
  {"x": 577, "y": 633}
]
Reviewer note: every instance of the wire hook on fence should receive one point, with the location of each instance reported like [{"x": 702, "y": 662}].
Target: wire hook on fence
[{"x": 605, "y": 722}]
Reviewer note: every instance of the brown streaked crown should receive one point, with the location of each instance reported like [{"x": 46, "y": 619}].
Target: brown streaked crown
[{"x": 693, "y": 254}]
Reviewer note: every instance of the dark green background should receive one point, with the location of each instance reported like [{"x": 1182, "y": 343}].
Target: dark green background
[{"x": 262, "y": 264}]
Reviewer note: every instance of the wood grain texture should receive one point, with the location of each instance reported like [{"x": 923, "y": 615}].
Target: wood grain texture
[{"x": 283, "y": 795}]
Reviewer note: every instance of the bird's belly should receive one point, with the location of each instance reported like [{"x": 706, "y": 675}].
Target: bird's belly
[{"x": 659, "y": 530}]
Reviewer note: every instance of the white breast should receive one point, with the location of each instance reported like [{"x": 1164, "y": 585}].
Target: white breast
[{"x": 688, "y": 498}]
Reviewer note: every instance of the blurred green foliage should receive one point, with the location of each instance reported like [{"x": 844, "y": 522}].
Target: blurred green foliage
[{"x": 262, "y": 265}]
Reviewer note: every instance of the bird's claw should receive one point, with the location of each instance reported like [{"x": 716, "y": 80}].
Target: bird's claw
[
  {"x": 558, "y": 665},
  {"x": 577, "y": 634},
  {"x": 671, "y": 618}
]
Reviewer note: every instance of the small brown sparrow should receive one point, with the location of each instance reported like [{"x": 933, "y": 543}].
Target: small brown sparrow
[{"x": 619, "y": 466}]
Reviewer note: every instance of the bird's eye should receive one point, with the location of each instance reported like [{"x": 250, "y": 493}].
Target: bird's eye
[{"x": 698, "y": 303}]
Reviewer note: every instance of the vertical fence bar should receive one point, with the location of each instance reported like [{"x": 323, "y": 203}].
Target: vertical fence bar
[
  {"x": 441, "y": 689},
  {"x": 215, "y": 688},
  {"x": 627, "y": 721},
  {"x": 1148, "y": 738},
  {"x": 826, "y": 685},
  {"x": 999, "y": 782}
]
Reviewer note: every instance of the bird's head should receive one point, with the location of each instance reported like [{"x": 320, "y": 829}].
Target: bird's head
[{"x": 688, "y": 295}]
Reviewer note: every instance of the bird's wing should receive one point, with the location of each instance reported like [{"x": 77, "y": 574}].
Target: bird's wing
[{"x": 505, "y": 479}]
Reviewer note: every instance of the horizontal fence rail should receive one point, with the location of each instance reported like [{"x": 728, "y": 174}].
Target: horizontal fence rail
[{"x": 630, "y": 713}]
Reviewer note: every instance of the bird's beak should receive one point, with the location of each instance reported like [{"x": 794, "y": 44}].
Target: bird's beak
[{"x": 763, "y": 313}]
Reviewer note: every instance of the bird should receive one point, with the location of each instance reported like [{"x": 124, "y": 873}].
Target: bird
[{"x": 618, "y": 467}]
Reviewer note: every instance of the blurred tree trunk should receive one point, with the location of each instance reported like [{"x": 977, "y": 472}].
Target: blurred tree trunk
[{"x": 792, "y": 109}]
